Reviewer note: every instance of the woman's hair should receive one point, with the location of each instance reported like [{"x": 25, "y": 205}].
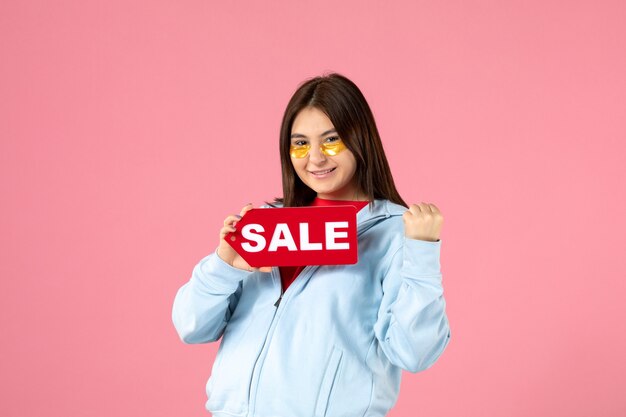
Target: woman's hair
[{"x": 344, "y": 104}]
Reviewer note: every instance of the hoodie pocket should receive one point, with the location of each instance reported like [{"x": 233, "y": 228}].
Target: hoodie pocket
[{"x": 328, "y": 380}]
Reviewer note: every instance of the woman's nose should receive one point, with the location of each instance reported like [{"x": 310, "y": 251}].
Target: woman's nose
[{"x": 316, "y": 155}]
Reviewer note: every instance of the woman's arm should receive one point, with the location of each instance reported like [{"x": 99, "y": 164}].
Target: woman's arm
[
  {"x": 203, "y": 305},
  {"x": 412, "y": 327}
]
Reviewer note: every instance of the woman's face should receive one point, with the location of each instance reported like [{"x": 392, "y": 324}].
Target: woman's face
[{"x": 331, "y": 177}]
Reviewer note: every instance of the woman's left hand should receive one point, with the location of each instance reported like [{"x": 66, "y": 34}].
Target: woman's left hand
[{"x": 423, "y": 222}]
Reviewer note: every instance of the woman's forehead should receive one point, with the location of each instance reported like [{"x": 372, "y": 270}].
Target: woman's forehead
[{"x": 311, "y": 122}]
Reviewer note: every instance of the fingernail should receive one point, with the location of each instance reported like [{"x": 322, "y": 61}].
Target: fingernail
[{"x": 238, "y": 216}]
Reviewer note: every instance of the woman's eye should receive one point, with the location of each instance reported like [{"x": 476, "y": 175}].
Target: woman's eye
[
  {"x": 332, "y": 139},
  {"x": 299, "y": 143}
]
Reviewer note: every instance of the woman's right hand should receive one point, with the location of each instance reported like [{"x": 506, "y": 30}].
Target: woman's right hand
[{"x": 226, "y": 252}]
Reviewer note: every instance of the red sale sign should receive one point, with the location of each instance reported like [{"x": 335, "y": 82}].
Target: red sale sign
[{"x": 295, "y": 236}]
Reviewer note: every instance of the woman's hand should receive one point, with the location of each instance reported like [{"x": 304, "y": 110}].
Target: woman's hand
[
  {"x": 226, "y": 252},
  {"x": 423, "y": 222}
]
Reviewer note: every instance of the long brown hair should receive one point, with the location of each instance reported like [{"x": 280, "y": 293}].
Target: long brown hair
[{"x": 344, "y": 104}]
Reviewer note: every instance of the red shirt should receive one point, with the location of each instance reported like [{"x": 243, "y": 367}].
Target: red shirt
[{"x": 289, "y": 273}]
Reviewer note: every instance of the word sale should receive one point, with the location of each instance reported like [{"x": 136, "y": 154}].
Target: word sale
[{"x": 282, "y": 237}]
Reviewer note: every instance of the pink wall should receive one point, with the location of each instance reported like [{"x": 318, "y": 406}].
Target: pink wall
[{"x": 130, "y": 129}]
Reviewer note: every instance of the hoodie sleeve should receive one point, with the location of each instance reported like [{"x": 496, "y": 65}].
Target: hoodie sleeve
[
  {"x": 412, "y": 327},
  {"x": 204, "y": 304}
]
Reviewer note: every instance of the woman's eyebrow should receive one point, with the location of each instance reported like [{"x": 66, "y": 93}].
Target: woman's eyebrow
[{"x": 300, "y": 135}]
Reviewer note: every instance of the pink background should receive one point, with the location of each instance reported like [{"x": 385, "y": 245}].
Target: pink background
[{"x": 130, "y": 129}]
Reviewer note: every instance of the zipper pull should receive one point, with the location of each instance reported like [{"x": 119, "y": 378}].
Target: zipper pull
[{"x": 277, "y": 303}]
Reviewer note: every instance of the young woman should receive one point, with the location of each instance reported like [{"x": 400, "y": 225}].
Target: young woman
[{"x": 323, "y": 340}]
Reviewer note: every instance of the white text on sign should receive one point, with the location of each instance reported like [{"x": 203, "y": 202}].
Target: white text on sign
[{"x": 282, "y": 237}]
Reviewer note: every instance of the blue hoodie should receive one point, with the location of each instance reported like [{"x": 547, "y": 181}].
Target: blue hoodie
[{"x": 338, "y": 340}]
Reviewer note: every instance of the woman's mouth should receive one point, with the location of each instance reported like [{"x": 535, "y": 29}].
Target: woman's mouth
[{"x": 322, "y": 173}]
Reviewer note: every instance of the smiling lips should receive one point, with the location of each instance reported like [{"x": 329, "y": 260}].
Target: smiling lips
[{"x": 322, "y": 174}]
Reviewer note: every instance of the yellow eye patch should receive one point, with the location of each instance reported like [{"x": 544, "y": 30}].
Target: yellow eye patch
[{"x": 327, "y": 148}]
